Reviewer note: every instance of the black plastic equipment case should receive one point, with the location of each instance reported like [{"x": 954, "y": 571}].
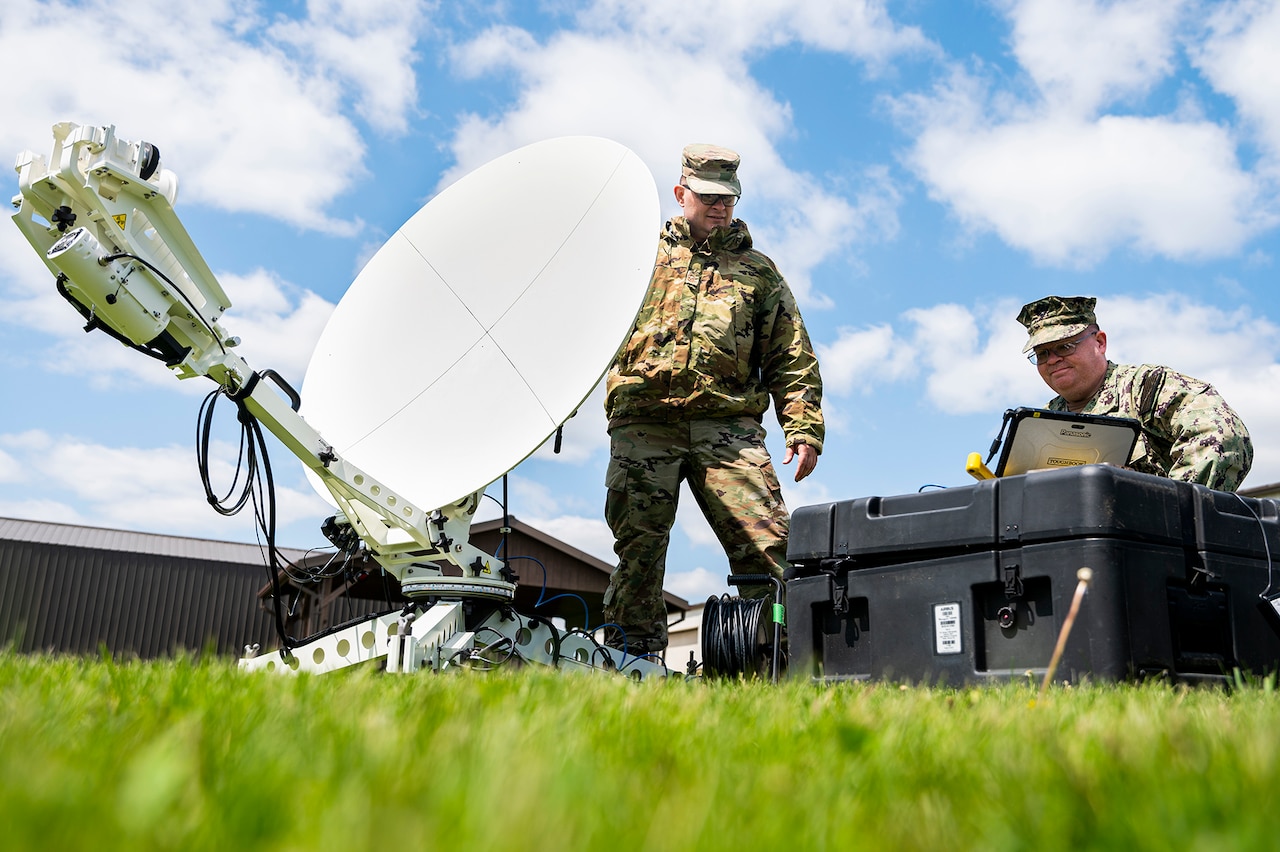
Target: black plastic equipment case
[{"x": 970, "y": 584}]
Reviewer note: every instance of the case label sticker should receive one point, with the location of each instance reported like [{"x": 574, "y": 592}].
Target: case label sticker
[{"x": 946, "y": 628}]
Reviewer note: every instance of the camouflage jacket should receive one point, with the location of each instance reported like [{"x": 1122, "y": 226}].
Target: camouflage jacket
[
  {"x": 718, "y": 335},
  {"x": 1188, "y": 430}
]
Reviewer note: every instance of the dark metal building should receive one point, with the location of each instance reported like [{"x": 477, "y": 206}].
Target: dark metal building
[{"x": 75, "y": 589}]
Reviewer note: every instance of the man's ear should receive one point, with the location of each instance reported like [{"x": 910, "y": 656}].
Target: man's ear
[
  {"x": 1102, "y": 341},
  {"x": 679, "y": 190}
]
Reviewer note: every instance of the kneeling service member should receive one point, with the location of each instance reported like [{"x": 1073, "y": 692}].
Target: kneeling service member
[{"x": 1188, "y": 430}]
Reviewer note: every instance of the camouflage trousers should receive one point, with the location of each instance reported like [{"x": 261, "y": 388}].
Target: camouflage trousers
[{"x": 733, "y": 480}]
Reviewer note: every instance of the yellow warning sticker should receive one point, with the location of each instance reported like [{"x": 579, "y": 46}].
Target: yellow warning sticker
[{"x": 120, "y": 219}]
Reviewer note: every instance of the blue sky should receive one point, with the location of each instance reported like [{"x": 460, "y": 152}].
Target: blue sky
[{"x": 918, "y": 171}]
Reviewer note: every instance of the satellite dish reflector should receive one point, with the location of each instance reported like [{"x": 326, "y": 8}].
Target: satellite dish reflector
[{"x": 486, "y": 320}]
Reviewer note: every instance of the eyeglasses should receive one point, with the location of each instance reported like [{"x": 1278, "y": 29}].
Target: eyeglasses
[
  {"x": 713, "y": 200},
  {"x": 1062, "y": 350}
]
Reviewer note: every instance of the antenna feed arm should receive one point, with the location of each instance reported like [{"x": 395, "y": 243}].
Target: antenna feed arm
[{"x": 99, "y": 212}]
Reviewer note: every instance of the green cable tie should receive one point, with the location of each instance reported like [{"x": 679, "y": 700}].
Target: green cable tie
[{"x": 780, "y": 614}]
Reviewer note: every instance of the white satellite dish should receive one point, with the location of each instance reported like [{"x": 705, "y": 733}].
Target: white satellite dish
[{"x": 486, "y": 320}]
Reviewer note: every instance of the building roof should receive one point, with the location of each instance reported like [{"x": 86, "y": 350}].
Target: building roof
[
  {"x": 69, "y": 588},
  {"x": 158, "y": 544},
  {"x": 517, "y": 525},
  {"x": 1269, "y": 490},
  {"x": 482, "y": 528},
  {"x": 99, "y": 538}
]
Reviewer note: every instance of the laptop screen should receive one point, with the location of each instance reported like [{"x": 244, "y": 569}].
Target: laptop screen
[{"x": 1040, "y": 439}]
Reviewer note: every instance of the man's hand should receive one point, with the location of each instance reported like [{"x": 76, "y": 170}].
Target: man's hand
[{"x": 808, "y": 459}]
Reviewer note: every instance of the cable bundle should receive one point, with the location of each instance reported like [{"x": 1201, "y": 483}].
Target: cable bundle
[
  {"x": 257, "y": 486},
  {"x": 733, "y": 637}
]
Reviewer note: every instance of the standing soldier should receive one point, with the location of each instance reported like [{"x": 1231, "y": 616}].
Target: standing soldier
[
  {"x": 718, "y": 336},
  {"x": 1188, "y": 430}
]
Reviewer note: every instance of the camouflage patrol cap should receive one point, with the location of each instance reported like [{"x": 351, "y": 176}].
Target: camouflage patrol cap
[
  {"x": 710, "y": 169},
  {"x": 1056, "y": 318}
]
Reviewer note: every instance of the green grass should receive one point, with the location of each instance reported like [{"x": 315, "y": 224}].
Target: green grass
[{"x": 198, "y": 755}]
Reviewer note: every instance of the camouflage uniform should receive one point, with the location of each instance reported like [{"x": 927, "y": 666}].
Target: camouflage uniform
[
  {"x": 1188, "y": 430},
  {"x": 717, "y": 337}
]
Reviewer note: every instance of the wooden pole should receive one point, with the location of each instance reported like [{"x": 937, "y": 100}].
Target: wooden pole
[{"x": 1084, "y": 575}]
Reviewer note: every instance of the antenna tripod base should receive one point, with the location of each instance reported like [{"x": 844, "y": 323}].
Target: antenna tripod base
[{"x": 453, "y": 636}]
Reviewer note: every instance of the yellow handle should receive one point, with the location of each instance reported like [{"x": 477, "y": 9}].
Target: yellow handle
[{"x": 975, "y": 468}]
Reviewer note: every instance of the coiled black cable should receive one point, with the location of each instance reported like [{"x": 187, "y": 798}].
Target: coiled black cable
[
  {"x": 257, "y": 487},
  {"x": 733, "y": 637}
]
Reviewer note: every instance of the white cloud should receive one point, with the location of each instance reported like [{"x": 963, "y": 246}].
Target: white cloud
[
  {"x": 696, "y": 584},
  {"x": 799, "y": 238},
  {"x": 692, "y": 524},
  {"x": 590, "y": 535},
  {"x": 10, "y": 469},
  {"x": 640, "y": 52},
  {"x": 249, "y": 115},
  {"x": 861, "y": 359},
  {"x": 970, "y": 375},
  {"x": 1069, "y": 191},
  {"x": 369, "y": 45},
  {"x": 859, "y": 29},
  {"x": 1085, "y": 53},
  {"x": 1239, "y": 59},
  {"x": 279, "y": 321},
  {"x": 974, "y": 363},
  {"x": 121, "y": 487},
  {"x": 1203, "y": 340},
  {"x": 1081, "y": 165},
  {"x": 498, "y": 48},
  {"x": 808, "y": 491},
  {"x": 36, "y": 509},
  {"x": 522, "y": 492}
]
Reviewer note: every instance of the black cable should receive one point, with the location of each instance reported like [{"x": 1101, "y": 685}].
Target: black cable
[
  {"x": 300, "y": 573},
  {"x": 173, "y": 287},
  {"x": 731, "y": 631},
  {"x": 543, "y": 600},
  {"x": 626, "y": 661},
  {"x": 92, "y": 321},
  {"x": 506, "y": 528},
  {"x": 258, "y": 487},
  {"x": 1266, "y": 546},
  {"x": 995, "y": 445},
  {"x": 598, "y": 647},
  {"x": 482, "y": 663},
  {"x": 555, "y": 637},
  {"x": 653, "y": 657}
]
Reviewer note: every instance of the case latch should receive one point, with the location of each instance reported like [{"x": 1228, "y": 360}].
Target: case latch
[
  {"x": 839, "y": 600},
  {"x": 1012, "y": 581},
  {"x": 1007, "y": 615}
]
